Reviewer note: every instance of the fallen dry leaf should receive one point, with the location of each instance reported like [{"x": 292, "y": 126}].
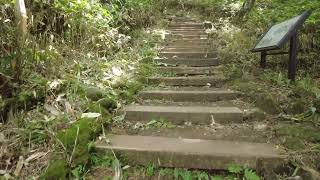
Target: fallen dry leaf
[
  {"x": 36, "y": 156},
  {"x": 54, "y": 111},
  {"x": 19, "y": 166}
]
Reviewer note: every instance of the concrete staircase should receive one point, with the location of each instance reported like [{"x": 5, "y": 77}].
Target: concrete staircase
[{"x": 187, "y": 97}]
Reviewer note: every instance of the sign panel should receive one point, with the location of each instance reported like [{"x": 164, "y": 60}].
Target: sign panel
[{"x": 280, "y": 33}]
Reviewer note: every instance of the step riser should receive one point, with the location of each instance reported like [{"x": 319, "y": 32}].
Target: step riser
[
  {"x": 186, "y": 82},
  {"x": 193, "y": 161},
  {"x": 188, "y": 97},
  {"x": 196, "y": 40},
  {"x": 184, "y": 36},
  {"x": 191, "y": 29},
  {"x": 191, "y": 40},
  {"x": 188, "y": 32},
  {"x": 184, "y": 70},
  {"x": 202, "y": 50},
  {"x": 186, "y": 47},
  {"x": 188, "y": 55},
  {"x": 189, "y": 62},
  {"x": 180, "y": 118},
  {"x": 189, "y": 44},
  {"x": 187, "y": 26}
]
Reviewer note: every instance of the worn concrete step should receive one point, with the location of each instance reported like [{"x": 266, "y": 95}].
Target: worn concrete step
[
  {"x": 213, "y": 81},
  {"x": 186, "y": 25},
  {"x": 193, "y": 54},
  {"x": 192, "y": 153},
  {"x": 232, "y": 132},
  {"x": 201, "y": 32},
  {"x": 186, "y": 49},
  {"x": 189, "y": 62},
  {"x": 181, "y": 95},
  {"x": 186, "y": 43},
  {"x": 180, "y": 18},
  {"x": 189, "y": 48},
  {"x": 182, "y": 114},
  {"x": 187, "y": 70},
  {"x": 186, "y": 36},
  {"x": 184, "y": 21},
  {"x": 186, "y": 29},
  {"x": 191, "y": 39}
]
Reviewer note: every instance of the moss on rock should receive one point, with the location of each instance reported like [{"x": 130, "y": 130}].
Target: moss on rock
[
  {"x": 57, "y": 170},
  {"x": 88, "y": 130},
  {"x": 267, "y": 103},
  {"x": 94, "y": 93},
  {"x": 97, "y": 108},
  {"x": 108, "y": 103},
  {"x": 298, "y": 106},
  {"x": 295, "y": 135}
]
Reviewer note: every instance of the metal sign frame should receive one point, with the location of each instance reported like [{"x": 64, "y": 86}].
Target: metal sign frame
[{"x": 291, "y": 35}]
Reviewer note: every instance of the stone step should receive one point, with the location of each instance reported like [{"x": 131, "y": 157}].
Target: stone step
[
  {"x": 213, "y": 81},
  {"x": 186, "y": 49},
  {"x": 185, "y": 44},
  {"x": 193, "y": 153},
  {"x": 189, "y": 62},
  {"x": 187, "y": 70},
  {"x": 180, "y": 95},
  {"x": 179, "y": 18},
  {"x": 184, "y": 21},
  {"x": 186, "y": 29},
  {"x": 179, "y": 115},
  {"x": 186, "y": 25},
  {"x": 186, "y": 36},
  {"x": 201, "y": 32},
  {"x": 191, "y": 39},
  {"x": 186, "y": 41},
  {"x": 232, "y": 132},
  {"x": 193, "y": 54}
]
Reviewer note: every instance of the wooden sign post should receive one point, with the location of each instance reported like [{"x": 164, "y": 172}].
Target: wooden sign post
[
  {"x": 276, "y": 37},
  {"x": 21, "y": 21}
]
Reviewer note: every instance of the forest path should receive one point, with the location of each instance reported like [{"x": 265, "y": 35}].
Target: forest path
[{"x": 199, "y": 123}]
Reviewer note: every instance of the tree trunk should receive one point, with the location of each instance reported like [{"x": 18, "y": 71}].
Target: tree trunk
[
  {"x": 21, "y": 20},
  {"x": 247, "y": 6}
]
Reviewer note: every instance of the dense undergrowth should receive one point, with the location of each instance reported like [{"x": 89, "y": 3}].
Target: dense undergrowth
[{"x": 83, "y": 61}]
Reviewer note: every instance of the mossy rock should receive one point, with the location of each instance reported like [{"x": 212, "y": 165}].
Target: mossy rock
[
  {"x": 301, "y": 92},
  {"x": 120, "y": 82},
  {"x": 295, "y": 135},
  {"x": 255, "y": 115},
  {"x": 316, "y": 104},
  {"x": 108, "y": 103},
  {"x": 57, "y": 170},
  {"x": 94, "y": 93},
  {"x": 96, "y": 108},
  {"x": 88, "y": 130},
  {"x": 268, "y": 104},
  {"x": 298, "y": 106}
]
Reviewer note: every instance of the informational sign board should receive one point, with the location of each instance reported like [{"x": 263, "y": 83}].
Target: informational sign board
[{"x": 280, "y": 33}]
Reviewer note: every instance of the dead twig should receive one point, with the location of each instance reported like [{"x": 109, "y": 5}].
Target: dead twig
[{"x": 75, "y": 145}]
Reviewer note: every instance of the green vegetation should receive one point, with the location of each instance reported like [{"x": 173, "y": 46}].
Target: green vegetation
[
  {"x": 62, "y": 84},
  {"x": 80, "y": 61}
]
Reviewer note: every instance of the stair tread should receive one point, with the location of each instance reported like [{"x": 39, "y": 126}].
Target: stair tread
[
  {"x": 187, "y": 91},
  {"x": 184, "y": 109},
  {"x": 179, "y": 152}
]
